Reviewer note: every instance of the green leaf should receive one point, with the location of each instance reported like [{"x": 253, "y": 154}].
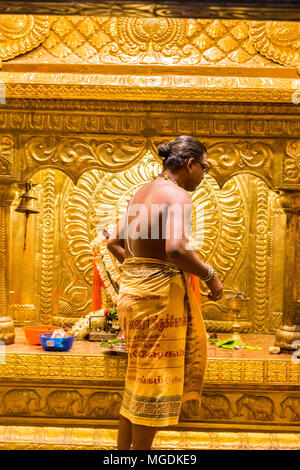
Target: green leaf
[
  {"x": 111, "y": 341},
  {"x": 228, "y": 341}
]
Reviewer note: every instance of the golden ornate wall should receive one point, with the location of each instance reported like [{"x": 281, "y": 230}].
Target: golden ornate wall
[
  {"x": 242, "y": 218},
  {"x": 84, "y": 103},
  {"x": 87, "y": 100}
]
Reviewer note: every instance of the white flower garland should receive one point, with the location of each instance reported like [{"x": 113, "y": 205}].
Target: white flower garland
[
  {"x": 82, "y": 327},
  {"x": 108, "y": 267}
]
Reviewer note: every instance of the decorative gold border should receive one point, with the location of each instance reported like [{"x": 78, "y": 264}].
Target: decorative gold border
[
  {"x": 113, "y": 368},
  {"x": 140, "y": 87},
  {"x": 19, "y": 437},
  {"x": 151, "y": 118},
  {"x": 174, "y": 8}
]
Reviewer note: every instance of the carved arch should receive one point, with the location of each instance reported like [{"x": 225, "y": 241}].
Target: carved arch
[{"x": 75, "y": 155}]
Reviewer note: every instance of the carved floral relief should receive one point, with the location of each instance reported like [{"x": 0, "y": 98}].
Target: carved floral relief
[
  {"x": 165, "y": 41},
  {"x": 21, "y": 33}
]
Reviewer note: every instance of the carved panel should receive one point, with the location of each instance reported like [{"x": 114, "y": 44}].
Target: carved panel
[
  {"x": 247, "y": 407},
  {"x": 148, "y": 40},
  {"x": 77, "y": 225},
  {"x": 105, "y": 368},
  {"x": 47, "y": 268},
  {"x": 19, "y": 401},
  {"x": 67, "y": 403},
  {"x": 169, "y": 41},
  {"x": 103, "y": 405},
  {"x": 21, "y": 33},
  {"x": 135, "y": 119},
  {"x": 75, "y": 155},
  {"x": 228, "y": 158},
  {"x": 291, "y": 163},
  {"x": 74, "y": 271},
  {"x": 92, "y": 437},
  {"x": 277, "y": 40},
  {"x": 275, "y": 292},
  {"x": 261, "y": 252},
  {"x": 228, "y": 406},
  {"x": 7, "y": 157},
  {"x": 143, "y": 87}
]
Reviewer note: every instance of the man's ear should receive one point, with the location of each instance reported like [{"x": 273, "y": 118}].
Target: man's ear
[{"x": 190, "y": 163}]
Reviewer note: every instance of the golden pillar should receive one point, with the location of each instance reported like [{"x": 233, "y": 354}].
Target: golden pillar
[
  {"x": 7, "y": 193},
  {"x": 290, "y": 328}
]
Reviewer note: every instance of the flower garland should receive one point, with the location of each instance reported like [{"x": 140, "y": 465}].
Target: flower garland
[
  {"x": 107, "y": 266},
  {"x": 82, "y": 327},
  {"x": 111, "y": 275}
]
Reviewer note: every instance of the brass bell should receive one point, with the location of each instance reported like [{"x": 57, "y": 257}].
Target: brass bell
[{"x": 27, "y": 204}]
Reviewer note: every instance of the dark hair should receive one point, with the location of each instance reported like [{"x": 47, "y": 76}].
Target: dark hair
[{"x": 176, "y": 153}]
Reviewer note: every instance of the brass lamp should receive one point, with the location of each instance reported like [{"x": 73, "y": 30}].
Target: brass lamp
[{"x": 27, "y": 205}]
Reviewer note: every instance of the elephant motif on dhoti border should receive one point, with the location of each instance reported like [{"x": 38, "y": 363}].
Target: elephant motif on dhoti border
[
  {"x": 17, "y": 401},
  {"x": 258, "y": 407},
  {"x": 63, "y": 402},
  {"x": 104, "y": 404}
]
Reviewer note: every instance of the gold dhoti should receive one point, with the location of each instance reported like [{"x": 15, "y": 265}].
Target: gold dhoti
[{"x": 166, "y": 341}]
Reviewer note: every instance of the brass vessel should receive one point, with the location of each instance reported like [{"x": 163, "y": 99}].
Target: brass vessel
[
  {"x": 7, "y": 330},
  {"x": 236, "y": 306}
]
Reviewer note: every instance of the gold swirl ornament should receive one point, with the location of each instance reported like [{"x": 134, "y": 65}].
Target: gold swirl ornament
[
  {"x": 277, "y": 40},
  {"x": 21, "y": 33}
]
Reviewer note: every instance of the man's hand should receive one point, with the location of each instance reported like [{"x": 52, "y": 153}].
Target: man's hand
[{"x": 216, "y": 289}]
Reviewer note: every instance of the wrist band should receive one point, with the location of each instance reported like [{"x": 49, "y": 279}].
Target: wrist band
[{"x": 211, "y": 274}]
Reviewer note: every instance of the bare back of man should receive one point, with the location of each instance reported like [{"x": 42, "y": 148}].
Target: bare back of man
[{"x": 148, "y": 217}]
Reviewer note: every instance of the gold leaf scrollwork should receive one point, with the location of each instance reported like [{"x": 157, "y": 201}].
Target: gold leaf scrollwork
[
  {"x": 116, "y": 154},
  {"x": 277, "y": 40},
  {"x": 255, "y": 157},
  {"x": 75, "y": 155},
  {"x": 21, "y": 33},
  {"x": 140, "y": 40},
  {"x": 6, "y": 155},
  {"x": 261, "y": 270},
  {"x": 54, "y": 150},
  {"x": 149, "y": 40},
  {"x": 291, "y": 165},
  {"x": 47, "y": 270},
  {"x": 78, "y": 230}
]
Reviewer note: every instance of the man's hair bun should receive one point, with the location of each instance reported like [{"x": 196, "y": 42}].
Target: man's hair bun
[{"x": 164, "y": 150}]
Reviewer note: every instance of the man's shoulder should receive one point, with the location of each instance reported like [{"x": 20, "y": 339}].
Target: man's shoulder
[
  {"x": 168, "y": 187},
  {"x": 176, "y": 193},
  {"x": 162, "y": 193}
]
